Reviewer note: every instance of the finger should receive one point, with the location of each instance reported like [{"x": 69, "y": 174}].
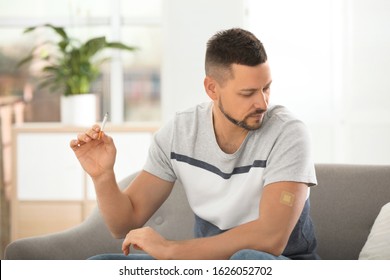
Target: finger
[
  {"x": 83, "y": 137},
  {"x": 100, "y": 135},
  {"x": 89, "y": 134},
  {"x": 126, "y": 243},
  {"x": 126, "y": 251},
  {"x": 74, "y": 144},
  {"x": 92, "y": 133},
  {"x": 105, "y": 138},
  {"x": 96, "y": 127},
  {"x": 126, "y": 248}
]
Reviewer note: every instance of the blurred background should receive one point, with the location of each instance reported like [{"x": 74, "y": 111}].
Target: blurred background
[{"x": 329, "y": 60}]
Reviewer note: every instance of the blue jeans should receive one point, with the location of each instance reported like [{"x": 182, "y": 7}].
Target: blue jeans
[{"x": 240, "y": 255}]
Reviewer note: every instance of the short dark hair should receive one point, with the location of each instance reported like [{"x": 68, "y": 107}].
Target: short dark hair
[{"x": 232, "y": 46}]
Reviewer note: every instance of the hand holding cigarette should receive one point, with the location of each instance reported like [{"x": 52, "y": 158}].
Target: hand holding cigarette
[
  {"x": 96, "y": 157},
  {"x": 103, "y": 125}
]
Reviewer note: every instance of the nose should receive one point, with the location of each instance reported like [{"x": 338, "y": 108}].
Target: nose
[{"x": 261, "y": 101}]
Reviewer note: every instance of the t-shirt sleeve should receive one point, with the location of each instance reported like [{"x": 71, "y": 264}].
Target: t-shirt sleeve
[
  {"x": 290, "y": 158},
  {"x": 158, "y": 161}
]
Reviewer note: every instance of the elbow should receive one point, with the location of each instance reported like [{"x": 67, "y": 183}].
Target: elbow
[
  {"x": 273, "y": 249},
  {"x": 278, "y": 244},
  {"x": 274, "y": 246},
  {"x": 120, "y": 231},
  {"x": 117, "y": 235},
  {"x": 277, "y": 249}
]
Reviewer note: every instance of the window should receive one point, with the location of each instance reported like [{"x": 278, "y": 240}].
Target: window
[{"x": 135, "y": 86}]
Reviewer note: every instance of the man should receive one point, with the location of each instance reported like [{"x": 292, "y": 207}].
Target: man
[{"x": 245, "y": 167}]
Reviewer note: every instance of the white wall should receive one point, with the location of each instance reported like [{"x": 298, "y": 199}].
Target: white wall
[
  {"x": 187, "y": 25},
  {"x": 331, "y": 66},
  {"x": 367, "y": 82}
]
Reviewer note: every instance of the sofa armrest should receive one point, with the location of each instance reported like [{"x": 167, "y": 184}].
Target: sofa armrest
[
  {"x": 89, "y": 238},
  {"x": 174, "y": 220}
]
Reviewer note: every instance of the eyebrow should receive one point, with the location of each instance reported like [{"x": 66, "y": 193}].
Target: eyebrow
[{"x": 249, "y": 90}]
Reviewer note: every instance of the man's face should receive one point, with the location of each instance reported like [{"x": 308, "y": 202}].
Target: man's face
[{"x": 243, "y": 99}]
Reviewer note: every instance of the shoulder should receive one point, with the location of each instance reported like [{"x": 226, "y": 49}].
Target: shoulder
[
  {"x": 186, "y": 122},
  {"x": 280, "y": 124},
  {"x": 199, "y": 111},
  {"x": 189, "y": 121},
  {"x": 280, "y": 116}
]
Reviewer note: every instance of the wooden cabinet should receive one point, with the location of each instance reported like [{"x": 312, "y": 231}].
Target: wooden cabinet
[{"x": 51, "y": 192}]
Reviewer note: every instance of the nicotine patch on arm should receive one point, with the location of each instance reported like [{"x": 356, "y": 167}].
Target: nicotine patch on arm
[{"x": 287, "y": 198}]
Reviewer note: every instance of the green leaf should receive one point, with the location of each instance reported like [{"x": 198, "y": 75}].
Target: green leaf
[
  {"x": 71, "y": 66},
  {"x": 29, "y": 29},
  {"x": 58, "y": 29},
  {"x": 92, "y": 46},
  {"x": 118, "y": 45}
]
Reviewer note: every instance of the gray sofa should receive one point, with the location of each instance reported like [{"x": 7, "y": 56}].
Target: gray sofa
[{"x": 344, "y": 206}]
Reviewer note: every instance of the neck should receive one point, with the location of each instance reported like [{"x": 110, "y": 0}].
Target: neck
[{"x": 228, "y": 135}]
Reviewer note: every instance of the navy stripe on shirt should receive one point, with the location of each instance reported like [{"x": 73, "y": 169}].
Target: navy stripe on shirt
[{"x": 216, "y": 170}]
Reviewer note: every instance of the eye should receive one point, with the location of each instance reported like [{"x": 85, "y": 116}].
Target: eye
[
  {"x": 267, "y": 89},
  {"x": 247, "y": 93}
]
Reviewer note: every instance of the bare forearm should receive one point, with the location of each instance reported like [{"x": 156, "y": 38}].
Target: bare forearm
[
  {"x": 114, "y": 205},
  {"x": 223, "y": 246}
]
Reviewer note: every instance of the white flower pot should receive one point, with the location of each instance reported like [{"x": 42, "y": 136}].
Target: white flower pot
[{"x": 79, "y": 110}]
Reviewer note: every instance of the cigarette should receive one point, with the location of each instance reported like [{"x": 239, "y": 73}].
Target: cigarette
[{"x": 103, "y": 125}]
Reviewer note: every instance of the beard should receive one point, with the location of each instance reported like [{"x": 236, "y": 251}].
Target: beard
[{"x": 244, "y": 122}]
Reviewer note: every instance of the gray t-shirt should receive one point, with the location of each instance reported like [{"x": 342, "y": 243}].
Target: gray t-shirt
[{"x": 225, "y": 189}]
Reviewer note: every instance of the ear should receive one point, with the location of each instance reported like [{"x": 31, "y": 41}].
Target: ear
[{"x": 210, "y": 86}]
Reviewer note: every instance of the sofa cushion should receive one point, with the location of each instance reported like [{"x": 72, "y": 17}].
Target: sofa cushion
[{"x": 378, "y": 242}]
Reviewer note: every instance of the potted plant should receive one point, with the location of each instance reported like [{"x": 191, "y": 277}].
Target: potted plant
[{"x": 70, "y": 67}]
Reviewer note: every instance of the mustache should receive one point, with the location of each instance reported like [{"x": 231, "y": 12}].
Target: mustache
[{"x": 256, "y": 112}]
